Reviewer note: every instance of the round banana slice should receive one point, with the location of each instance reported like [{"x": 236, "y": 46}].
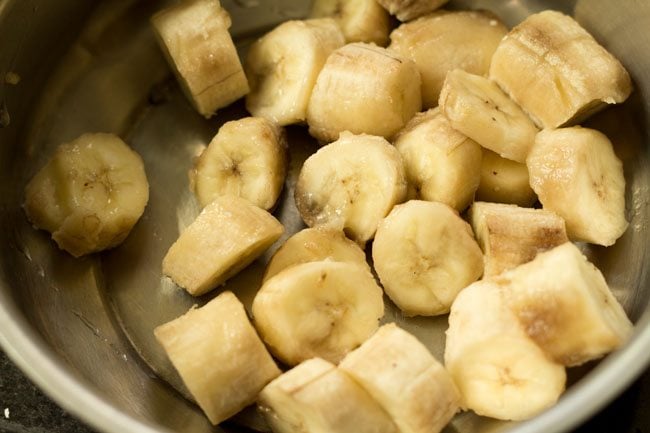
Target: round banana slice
[
  {"x": 360, "y": 20},
  {"x": 504, "y": 181},
  {"x": 89, "y": 195}
]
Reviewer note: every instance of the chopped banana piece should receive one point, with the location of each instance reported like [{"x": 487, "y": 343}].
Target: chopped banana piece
[
  {"x": 360, "y": 20},
  {"x": 406, "y": 10},
  {"x": 504, "y": 181}
]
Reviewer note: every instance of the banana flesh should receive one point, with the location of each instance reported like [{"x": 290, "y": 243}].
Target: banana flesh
[
  {"x": 406, "y": 10},
  {"x": 504, "y": 181},
  {"x": 360, "y": 20}
]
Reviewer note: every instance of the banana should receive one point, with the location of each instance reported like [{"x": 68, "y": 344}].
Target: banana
[
  {"x": 351, "y": 185},
  {"x": 318, "y": 309},
  {"x": 363, "y": 88},
  {"x": 405, "y": 379},
  {"x": 219, "y": 356},
  {"x": 227, "y": 236},
  {"x": 360, "y": 20},
  {"x": 444, "y": 41},
  {"x": 315, "y": 397},
  {"x": 500, "y": 372},
  {"x": 424, "y": 254},
  {"x": 577, "y": 175},
  {"x": 476, "y": 107},
  {"x": 406, "y": 10},
  {"x": 556, "y": 71},
  {"x": 441, "y": 163},
  {"x": 247, "y": 158},
  {"x": 510, "y": 235},
  {"x": 504, "y": 181},
  {"x": 89, "y": 195},
  {"x": 283, "y": 65},
  {"x": 195, "y": 40}
]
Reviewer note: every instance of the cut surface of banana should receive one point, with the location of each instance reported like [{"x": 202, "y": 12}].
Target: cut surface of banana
[
  {"x": 360, "y": 20},
  {"x": 89, "y": 195},
  {"x": 219, "y": 356},
  {"x": 226, "y": 237},
  {"x": 247, "y": 158},
  {"x": 318, "y": 309},
  {"x": 406, "y": 10},
  {"x": 424, "y": 254},
  {"x": 504, "y": 181}
]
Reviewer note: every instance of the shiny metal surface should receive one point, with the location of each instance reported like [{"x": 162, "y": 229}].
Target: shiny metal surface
[{"x": 82, "y": 328}]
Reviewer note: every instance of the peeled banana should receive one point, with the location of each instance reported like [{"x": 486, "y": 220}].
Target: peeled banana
[
  {"x": 504, "y": 181},
  {"x": 360, "y": 20},
  {"x": 406, "y": 10}
]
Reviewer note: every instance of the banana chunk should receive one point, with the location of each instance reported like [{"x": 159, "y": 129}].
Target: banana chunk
[
  {"x": 366, "y": 89},
  {"x": 424, "y": 254},
  {"x": 89, "y": 195},
  {"x": 219, "y": 356},
  {"x": 318, "y": 309},
  {"x": 405, "y": 379},
  {"x": 477, "y": 107},
  {"x": 510, "y": 235},
  {"x": 360, "y": 20},
  {"x": 247, "y": 158},
  {"x": 195, "y": 40},
  {"x": 556, "y": 71},
  {"x": 283, "y": 65},
  {"x": 504, "y": 181},
  {"x": 577, "y": 175},
  {"x": 225, "y": 238},
  {"x": 315, "y": 397},
  {"x": 351, "y": 185},
  {"x": 406, "y": 10},
  {"x": 441, "y": 163},
  {"x": 444, "y": 41}
]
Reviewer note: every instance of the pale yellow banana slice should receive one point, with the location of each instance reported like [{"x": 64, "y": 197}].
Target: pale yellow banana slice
[
  {"x": 406, "y": 10},
  {"x": 195, "y": 40},
  {"x": 351, "y": 185},
  {"x": 317, "y": 397},
  {"x": 247, "y": 158},
  {"x": 219, "y": 356},
  {"x": 226, "y": 237},
  {"x": 477, "y": 107},
  {"x": 283, "y": 65},
  {"x": 366, "y": 89},
  {"x": 577, "y": 175},
  {"x": 444, "y": 41},
  {"x": 405, "y": 379},
  {"x": 441, "y": 163},
  {"x": 360, "y": 20},
  {"x": 89, "y": 195},
  {"x": 424, "y": 254},
  {"x": 510, "y": 235},
  {"x": 504, "y": 181},
  {"x": 556, "y": 70},
  {"x": 318, "y": 309}
]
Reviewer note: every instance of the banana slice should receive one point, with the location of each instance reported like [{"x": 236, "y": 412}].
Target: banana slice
[
  {"x": 556, "y": 71},
  {"x": 318, "y": 309},
  {"x": 504, "y": 181},
  {"x": 351, "y": 185},
  {"x": 510, "y": 235},
  {"x": 315, "y": 397},
  {"x": 366, "y": 89},
  {"x": 195, "y": 40},
  {"x": 577, "y": 175},
  {"x": 424, "y": 254},
  {"x": 360, "y": 20},
  {"x": 477, "y": 107},
  {"x": 444, "y": 41},
  {"x": 219, "y": 356},
  {"x": 441, "y": 163},
  {"x": 226, "y": 237},
  {"x": 283, "y": 65},
  {"x": 89, "y": 195},
  {"x": 406, "y": 10},
  {"x": 405, "y": 379},
  {"x": 247, "y": 158}
]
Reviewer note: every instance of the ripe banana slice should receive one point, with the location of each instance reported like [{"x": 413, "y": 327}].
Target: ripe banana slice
[
  {"x": 556, "y": 71},
  {"x": 441, "y": 163},
  {"x": 219, "y": 356},
  {"x": 444, "y": 41},
  {"x": 351, "y": 185},
  {"x": 195, "y": 40},
  {"x": 226, "y": 237},
  {"x": 577, "y": 175},
  {"x": 510, "y": 235},
  {"x": 406, "y": 10},
  {"x": 366, "y": 89},
  {"x": 424, "y": 254},
  {"x": 89, "y": 195},
  {"x": 360, "y": 20},
  {"x": 315, "y": 397},
  {"x": 283, "y": 65},
  {"x": 504, "y": 181},
  {"x": 247, "y": 158},
  {"x": 477, "y": 107},
  {"x": 405, "y": 379},
  {"x": 318, "y": 309}
]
